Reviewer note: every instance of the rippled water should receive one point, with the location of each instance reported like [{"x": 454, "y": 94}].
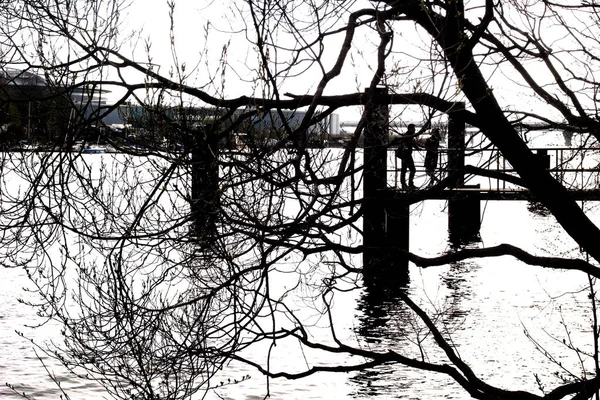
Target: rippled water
[{"x": 485, "y": 305}]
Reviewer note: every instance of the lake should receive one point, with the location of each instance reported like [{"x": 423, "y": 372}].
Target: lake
[{"x": 498, "y": 312}]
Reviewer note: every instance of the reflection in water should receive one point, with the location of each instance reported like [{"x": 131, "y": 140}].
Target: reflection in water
[
  {"x": 457, "y": 241},
  {"x": 457, "y": 282},
  {"x": 387, "y": 323},
  {"x": 381, "y": 325},
  {"x": 459, "y": 295},
  {"x": 381, "y": 310},
  {"x": 538, "y": 209}
]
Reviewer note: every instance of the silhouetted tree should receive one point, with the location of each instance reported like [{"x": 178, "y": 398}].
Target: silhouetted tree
[{"x": 163, "y": 266}]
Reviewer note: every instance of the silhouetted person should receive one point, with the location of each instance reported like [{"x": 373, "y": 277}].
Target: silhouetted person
[
  {"x": 405, "y": 149},
  {"x": 432, "y": 145}
]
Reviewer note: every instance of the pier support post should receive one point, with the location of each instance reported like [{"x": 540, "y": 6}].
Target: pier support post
[
  {"x": 376, "y": 139},
  {"x": 385, "y": 221},
  {"x": 464, "y": 214},
  {"x": 397, "y": 238},
  {"x": 456, "y": 144},
  {"x": 464, "y": 208},
  {"x": 375, "y": 161},
  {"x": 204, "y": 201},
  {"x": 543, "y": 158},
  {"x": 384, "y": 262}
]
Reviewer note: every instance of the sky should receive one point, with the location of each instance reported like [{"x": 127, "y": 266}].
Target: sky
[
  {"x": 192, "y": 18},
  {"x": 200, "y": 53}
]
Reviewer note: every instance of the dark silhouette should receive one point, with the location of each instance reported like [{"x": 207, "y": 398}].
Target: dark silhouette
[
  {"x": 197, "y": 308},
  {"x": 404, "y": 152},
  {"x": 432, "y": 145}
]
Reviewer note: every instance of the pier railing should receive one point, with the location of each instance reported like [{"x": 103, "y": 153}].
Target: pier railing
[{"x": 575, "y": 168}]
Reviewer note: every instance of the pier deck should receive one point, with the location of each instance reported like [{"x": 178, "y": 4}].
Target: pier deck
[{"x": 483, "y": 194}]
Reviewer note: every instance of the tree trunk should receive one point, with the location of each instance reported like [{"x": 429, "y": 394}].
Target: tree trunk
[{"x": 494, "y": 124}]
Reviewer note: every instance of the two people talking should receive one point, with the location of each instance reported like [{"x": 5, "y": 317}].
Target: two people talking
[{"x": 406, "y": 144}]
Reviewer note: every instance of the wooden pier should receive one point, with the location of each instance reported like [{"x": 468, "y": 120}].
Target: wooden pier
[{"x": 386, "y": 220}]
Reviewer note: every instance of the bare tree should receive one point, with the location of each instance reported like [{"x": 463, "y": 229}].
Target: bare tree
[{"x": 162, "y": 266}]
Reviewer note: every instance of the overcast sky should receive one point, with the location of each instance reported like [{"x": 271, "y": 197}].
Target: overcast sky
[
  {"x": 201, "y": 54},
  {"x": 192, "y": 18}
]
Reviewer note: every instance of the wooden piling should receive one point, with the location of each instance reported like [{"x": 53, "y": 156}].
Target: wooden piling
[
  {"x": 385, "y": 220},
  {"x": 204, "y": 201},
  {"x": 396, "y": 240},
  {"x": 464, "y": 206},
  {"x": 375, "y": 162},
  {"x": 464, "y": 214},
  {"x": 456, "y": 143}
]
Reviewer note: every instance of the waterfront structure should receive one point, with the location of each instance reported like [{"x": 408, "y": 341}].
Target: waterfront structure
[
  {"x": 33, "y": 109},
  {"x": 386, "y": 215}
]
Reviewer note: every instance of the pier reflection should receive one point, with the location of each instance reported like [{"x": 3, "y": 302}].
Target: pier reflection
[
  {"x": 458, "y": 294},
  {"x": 386, "y": 322},
  {"x": 382, "y": 317},
  {"x": 459, "y": 291}
]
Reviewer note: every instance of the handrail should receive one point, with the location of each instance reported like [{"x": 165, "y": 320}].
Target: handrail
[{"x": 575, "y": 167}]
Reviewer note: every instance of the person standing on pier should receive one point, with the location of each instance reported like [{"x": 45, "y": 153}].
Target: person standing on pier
[
  {"x": 432, "y": 145},
  {"x": 404, "y": 152}
]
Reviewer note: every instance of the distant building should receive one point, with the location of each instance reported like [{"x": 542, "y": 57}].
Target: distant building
[
  {"x": 20, "y": 85},
  {"x": 12, "y": 79},
  {"x": 30, "y": 89},
  {"x": 31, "y": 108},
  {"x": 271, "y": 124}
]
